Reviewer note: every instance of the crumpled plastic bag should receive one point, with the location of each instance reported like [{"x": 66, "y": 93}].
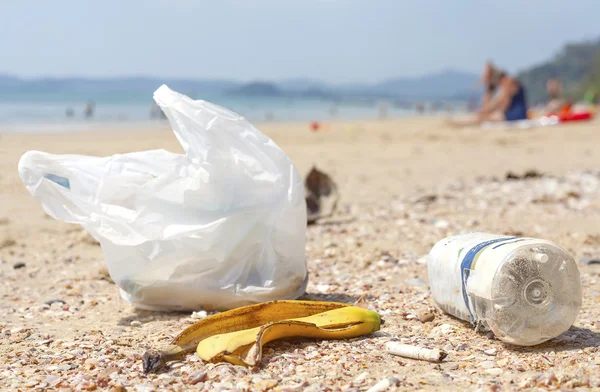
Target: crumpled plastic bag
[{"x": 219, "y": 227}]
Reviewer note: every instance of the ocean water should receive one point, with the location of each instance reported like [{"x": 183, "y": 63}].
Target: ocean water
[{"x": 29, "y": 112}]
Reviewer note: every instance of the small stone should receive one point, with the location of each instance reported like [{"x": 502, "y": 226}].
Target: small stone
[
  {"x": 394, "y": 381},
  {"x": 105, "y": 275},
  {"x": 8, "y": 242},
  {"x": 491, "y": 351},
  {"x": 136, "y": 323},
  {"x": 323, "y": 288},
  {"x": 52, "y": 380},
  {"x": 494, "y": 371},
  {"x": 202, "y": 314},
  {"x": 118, "y": 388},
  {"x": 503, "y": 361},
  {"x": 265, "y": 385},
  {"x": 487, "y": 364},
  {"x": 452, "y": 366},
  {"x": 86, "y": 237},
  {"x": 361, "y": 377},
  {"x": 441, "y": 224},
  {"x": 425, "y": 316},
  {"x": 55, "y": 301},
  {"x": 416, "y": 282},
  {"x": 19, "y": 265},
  {"x": 589, "y": 260},
  {"x": 87, "y": 385},
  {"x": 105, "y": 374},
  {"x": 426, "y": 199},
  {"x": 197, "y": 377},
  {"x": 31, "y": 383}
]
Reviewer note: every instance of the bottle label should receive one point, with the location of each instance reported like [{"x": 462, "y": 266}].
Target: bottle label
[
  {"x": 464, "y": 265},
  {"x": 468, "y": 264}
]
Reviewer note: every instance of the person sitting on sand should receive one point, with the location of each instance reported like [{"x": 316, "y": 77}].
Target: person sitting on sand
[
  {"x": 591, "y": 97},
  {"x": 504, "y": 98},
  {"x": 556, "y": 103}
]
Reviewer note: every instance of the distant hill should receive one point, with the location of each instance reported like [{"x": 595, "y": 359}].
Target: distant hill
[
  {"x": 9, "y": 84},
  {"x": 577, "y": 65},
  {"x": 256, "y": 89},
  {"x": 443, "y": 85},
  {"x": 302, "y": 85}
]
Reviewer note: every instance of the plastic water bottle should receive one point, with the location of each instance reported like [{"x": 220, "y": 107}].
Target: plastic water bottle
[{"x": 524, "y": 290}]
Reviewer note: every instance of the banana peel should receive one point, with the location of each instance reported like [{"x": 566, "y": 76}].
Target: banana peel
[
  {"x": 266, "y": 321},
  {"x": 245, "y": 347}
]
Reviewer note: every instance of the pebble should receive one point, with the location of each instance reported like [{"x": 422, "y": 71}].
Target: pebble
[
  {"x": 491, "y": 351},
  {"x": 135, "y": 323},
  {"x": 425, "y": 316},
  {"x": 441, "y": 224},
  {"x": 19, "y": 265},
  {"x": 197, "y": 377},
  {"x": 52, "y": 380},
  {"x": 588, "y": 260},
  {"x": 416, "y": 282},
  {"x": 202, "y": 314},
  {"x": 361, "y": 377},
  {"x": 494, "y": 371},
  {"x": 55, "y": 301},
  {"x": 487, "y": 364},
  {"x": 144, "y": 388},
  {"x": 265, "y": 385},
  {"x": 86, "y": 385}
]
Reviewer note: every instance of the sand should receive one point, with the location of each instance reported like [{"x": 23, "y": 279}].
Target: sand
[{"x": 405, "y": 184}]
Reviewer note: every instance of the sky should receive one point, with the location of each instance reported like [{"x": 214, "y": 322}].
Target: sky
[{"x": 339, "y": 41}]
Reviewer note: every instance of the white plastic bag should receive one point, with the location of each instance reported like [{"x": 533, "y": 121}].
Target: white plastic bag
[{"x": 219, "y": 227}]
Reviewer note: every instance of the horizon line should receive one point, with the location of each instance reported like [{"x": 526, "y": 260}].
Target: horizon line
[{"x": 224, "y": 79}]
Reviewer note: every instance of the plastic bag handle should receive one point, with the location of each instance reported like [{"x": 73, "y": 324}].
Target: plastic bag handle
[
  {"x": 46, "y": 179},
  {"x": 182, "y": 109}
]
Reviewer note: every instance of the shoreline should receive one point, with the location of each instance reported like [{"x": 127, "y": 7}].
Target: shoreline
[{"x": 49, "y": 128}]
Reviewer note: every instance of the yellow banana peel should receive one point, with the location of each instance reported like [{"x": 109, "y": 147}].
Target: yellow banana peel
[
  {"x": 245, "y": 347},
  {"x": 237, "y": 335}
]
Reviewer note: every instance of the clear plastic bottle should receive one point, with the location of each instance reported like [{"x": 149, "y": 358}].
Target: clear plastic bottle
[{"x": 524, "y": 290}]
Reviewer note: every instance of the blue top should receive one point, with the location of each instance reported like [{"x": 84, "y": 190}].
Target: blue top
[{"x": 517, "y": 109}]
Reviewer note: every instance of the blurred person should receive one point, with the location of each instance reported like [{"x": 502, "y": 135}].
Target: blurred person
[
  {"x": 420, "y": 107},
  {"x": 591, "y": 96},
  {"x": 90, "y": 107},
  {"x": 504, "y": 98},
  {"x": 383, "y": 110},
  {"x": 556, "y": 102}
]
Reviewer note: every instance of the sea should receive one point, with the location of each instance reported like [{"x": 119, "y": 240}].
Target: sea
[{"x": 40, "y": 113}]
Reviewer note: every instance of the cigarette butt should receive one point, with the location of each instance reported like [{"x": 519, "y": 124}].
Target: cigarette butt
[{"x": 414, "y": 352}]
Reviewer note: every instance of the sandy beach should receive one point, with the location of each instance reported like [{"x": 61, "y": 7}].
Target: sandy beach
[{"x": 405, "y": 184}]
